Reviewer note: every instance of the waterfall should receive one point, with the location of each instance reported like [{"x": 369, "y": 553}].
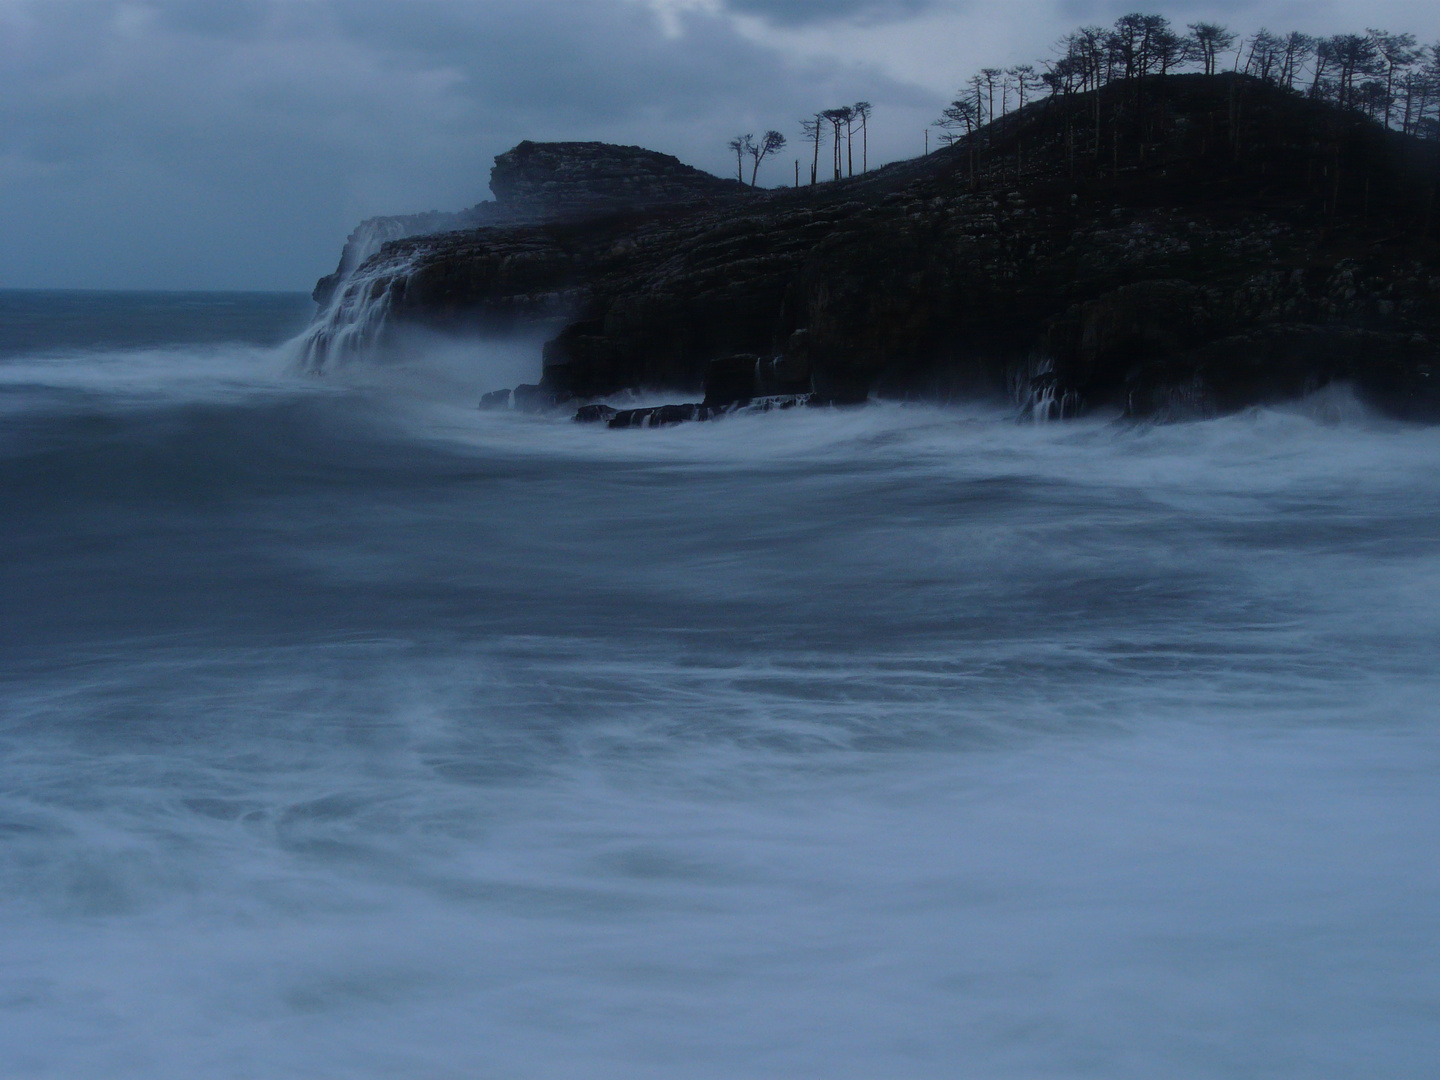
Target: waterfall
[
  {"x": 354, "y": 320},
  {"x": 369, "y": 237},
  {"x": 1032, "y": 386}
]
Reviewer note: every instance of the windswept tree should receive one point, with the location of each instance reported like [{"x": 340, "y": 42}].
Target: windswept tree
[
  {"x": 1323, "y": 61},
  {"x": 1298, "y": 49},
  {"x": 862, "y": 110},
  {"x": 1088, "y": 44},
  {"x": 814, "y": 130},
  {"x": 1420, "y": 90},
  {"x": 1167, "y": 49},
  {"x": 1353, "y": 56},
  {"x": 1423, "y": 123},
  {"x": 1207, "y": 42},
  {"x": 977, "y": 88},
  {"x": 959, "y": 121},
  {"x": 770, "y": 143},
  {"x": 1263, "y": 58},
  {"x": 1062, "y": 76},
  {"x": 1126, "y": 44},
  {"x": 993, "y": 78},
  {"x": 838, "y": 119},
  {"x": 1026, "y": 82},
  {"x": 1396, "y": 54},
  {"x": 742, "y": 145}
]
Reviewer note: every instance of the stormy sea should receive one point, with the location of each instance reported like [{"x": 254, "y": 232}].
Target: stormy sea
[{"x": 347, "y": 731}]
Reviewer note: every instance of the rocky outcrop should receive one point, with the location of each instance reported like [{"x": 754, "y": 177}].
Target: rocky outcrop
[
  {"x": 538, "y": 182},
  {"x": 374, "y": 233},
  {"x": 580, "y": 178},
  {"x": 1233, "y": 244}
]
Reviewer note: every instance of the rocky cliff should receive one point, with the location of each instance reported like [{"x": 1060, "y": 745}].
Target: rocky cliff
[
  {"x": 1183, "y": 247},
  {"x": 583, "y": 178}
]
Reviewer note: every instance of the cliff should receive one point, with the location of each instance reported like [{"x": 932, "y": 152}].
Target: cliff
[
  {"x": 1205, "y": 244},
  {"x": 582, "y": 178}
]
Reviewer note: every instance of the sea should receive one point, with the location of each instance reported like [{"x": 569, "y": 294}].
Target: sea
[{"x": 349, "y": 731}]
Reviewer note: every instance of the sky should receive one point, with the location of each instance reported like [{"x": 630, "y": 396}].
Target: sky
[{"x": 233, "y": 144}]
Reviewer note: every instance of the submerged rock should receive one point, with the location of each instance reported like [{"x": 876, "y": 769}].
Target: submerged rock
[
  {"x": 668, "y": 415},
  {"x": 595, "y": 414}
]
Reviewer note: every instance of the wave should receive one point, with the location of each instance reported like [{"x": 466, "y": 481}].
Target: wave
[{"x": 442, "y": 739}]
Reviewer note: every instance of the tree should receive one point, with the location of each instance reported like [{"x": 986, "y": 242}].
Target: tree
[
  {"x": 1089, "y": 42},
  {"x": 1324, "y": 56},
  {"x": 1168, "y": 49},
  {"x": 770, "y": 143},
  {"x": 742, "y": 145},
  {"x": 962, "y": 113},
  {"x": 1352, "y": 55},
  {"x": 1063, "y": 76},
  {"x": 1265, "y": 55},
  {"x": 814, "y": 130},
  {"x": 1298, "y": 48},
  {"x": 1208, "y": 41},
  {"x": 1125, "y": 44},
  {"x": 1430, "y": 91},
  {"x": 1397, "y": 54},
  {"x": 1025, "y": 80},
  {"x": 992, "y": 77},
  {"x": 863, "y": 109},
  {"x": 838, "y": 119},
  {"x": 977, "y": 87}
]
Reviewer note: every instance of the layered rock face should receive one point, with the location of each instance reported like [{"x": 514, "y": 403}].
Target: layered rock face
[
  {"x": 580, "y": 178},
  {"x": 1216, "y": 243}
]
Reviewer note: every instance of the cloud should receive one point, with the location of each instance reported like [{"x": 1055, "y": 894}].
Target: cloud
[
  {"x": 807, "y": 12},
  {"x": 169, "y": 143},
  {"x": 175, "y": 144}
]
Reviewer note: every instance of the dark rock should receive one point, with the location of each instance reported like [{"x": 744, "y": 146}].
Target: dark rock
[
  {"x": 732, "y": 380},
  {"x": 1280, "y": 362},
  {"x": 666, "y": 415},
  {"x": 497, "y": 399},
  {"x": 594, "y": 414},
  {"x": 532, "y": 398},
  {"x": 580, "y": 177},
  {"x": 662, "y": 416}
]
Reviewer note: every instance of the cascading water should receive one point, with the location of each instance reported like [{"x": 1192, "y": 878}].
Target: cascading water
[
  {"x": 1033, "y": 390},
  {"x": 355, "y": 318}
]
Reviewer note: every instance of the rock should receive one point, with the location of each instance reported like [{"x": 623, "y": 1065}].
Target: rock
[
  {"x": 662, "y": 416},
  {"x": 571, "y": 178},
  {"x": 497, "y": 399},
  {"x": 732, "y": 380},
  {"x": 534, "y": 398},
  {"x": 594, "y": 414}
]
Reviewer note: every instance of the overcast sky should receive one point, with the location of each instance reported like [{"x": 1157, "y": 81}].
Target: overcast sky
[{"x": 234, "y": 143}]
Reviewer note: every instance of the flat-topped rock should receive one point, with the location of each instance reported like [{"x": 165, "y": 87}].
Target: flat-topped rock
[{"x": 569, "y": 177}]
